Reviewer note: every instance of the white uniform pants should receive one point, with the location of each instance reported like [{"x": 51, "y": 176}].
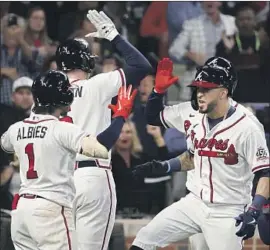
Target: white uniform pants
[
  {"x": 94, "y": 207},
  {"x": 39, "y": 224},
  {"x": 190, "y": 216},
  {"x": 197, "y": 242}
]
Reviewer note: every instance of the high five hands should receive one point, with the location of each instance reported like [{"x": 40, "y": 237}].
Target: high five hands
[
  {"x": 124, "y": 103},
  {"x": 164, "y": 77}
]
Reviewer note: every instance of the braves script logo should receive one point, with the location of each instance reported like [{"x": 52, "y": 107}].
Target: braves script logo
[{"x": 216, "y": 149}]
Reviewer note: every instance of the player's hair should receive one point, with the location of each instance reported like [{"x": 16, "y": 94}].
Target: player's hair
[{"x": 43, "y": 35}]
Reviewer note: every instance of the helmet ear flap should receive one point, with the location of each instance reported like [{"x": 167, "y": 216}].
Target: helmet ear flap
[{"x": 194, "y": 102}]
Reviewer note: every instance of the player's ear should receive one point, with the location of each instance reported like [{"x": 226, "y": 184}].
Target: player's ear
[{"x": 223, "y": 93}]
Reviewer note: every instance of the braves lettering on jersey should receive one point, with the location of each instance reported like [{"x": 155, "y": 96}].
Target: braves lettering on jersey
[
  {"x": 89, "y": 109},
  {"x": 46, "y": 149},
  {"x": 226, "y": 157},
  {"x": 183, "y": 117}
]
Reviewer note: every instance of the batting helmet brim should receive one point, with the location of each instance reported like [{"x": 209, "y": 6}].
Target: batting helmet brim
[{"x": 204, "y": 84}]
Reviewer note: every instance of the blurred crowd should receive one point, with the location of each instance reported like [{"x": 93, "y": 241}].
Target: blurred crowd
[{"x": 187, "y": 32}]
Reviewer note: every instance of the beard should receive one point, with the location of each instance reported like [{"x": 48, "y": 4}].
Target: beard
[{"x": 209, "y": 107}]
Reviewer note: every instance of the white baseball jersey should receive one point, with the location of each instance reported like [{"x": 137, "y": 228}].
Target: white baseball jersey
[
  {"x": 226, "y": 157},
  {"x": 46, "y": 149},
  {"x": 183, "y": 117},
  {"x": 89, "y": 109}
]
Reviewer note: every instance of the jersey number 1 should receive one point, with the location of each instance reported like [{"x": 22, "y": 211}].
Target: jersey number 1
[{"x": 29, "y": 150}]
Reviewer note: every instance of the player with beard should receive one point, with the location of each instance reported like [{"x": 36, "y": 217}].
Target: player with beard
[{"x": 228, "y": 147}]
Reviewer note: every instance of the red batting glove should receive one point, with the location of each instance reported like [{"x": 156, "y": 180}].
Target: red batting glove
[
  {"x": 124, "y": 103},
  {"x": 164, "y": 78}
]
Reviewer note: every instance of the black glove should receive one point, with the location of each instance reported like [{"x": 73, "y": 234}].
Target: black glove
[
  {"x": 150, "y": 169},
  {"x": 249, "y": 222}
]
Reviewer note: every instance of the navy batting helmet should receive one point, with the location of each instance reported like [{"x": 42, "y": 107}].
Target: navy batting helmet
[
  {"x": 52, "y": 89},
  {"x": 216, "y": 72},
  {"x": 75, "y": 54}
]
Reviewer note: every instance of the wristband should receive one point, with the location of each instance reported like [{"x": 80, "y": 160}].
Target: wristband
[
  {"x": 258, "y": 202},
  {"x": 174, "y": 165}
]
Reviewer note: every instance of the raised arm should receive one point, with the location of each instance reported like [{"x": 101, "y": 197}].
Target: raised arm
[
  {"x": 164, "y": 79},
  {"x": 137, "y": 66}
]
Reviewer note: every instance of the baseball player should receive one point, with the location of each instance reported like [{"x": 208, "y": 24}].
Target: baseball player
[
  {"x": 182, "y": 116},
  {"x": 47, "y": 149},
  {"x": 226, "y": 147},
  {"x": 95, "y": 200}
]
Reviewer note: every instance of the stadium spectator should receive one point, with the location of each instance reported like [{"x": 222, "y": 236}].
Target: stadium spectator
[
  {"x": 243, "y": 48},
  {"x": 127, "y": 153},
  {"x": 154, "y": 24},
  {"x": 22, "y": 101},
  {"x": 147, "y": 140},
  {"x": 198, "y": 39},
  {"x": 22, "y": 96},
  {"x": 36, "y": 31},
  {"x": 179, "y": 12},
  {"x": 17, "y": 58},
  {"x": 245, "y": 51}
]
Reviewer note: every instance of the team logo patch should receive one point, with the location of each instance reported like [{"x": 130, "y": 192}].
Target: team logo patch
[{"x": 261, "y": 153}]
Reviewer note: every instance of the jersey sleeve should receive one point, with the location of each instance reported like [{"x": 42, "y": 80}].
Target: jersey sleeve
[
  {"x": 172, "y": 118},
  {"x": 109, "y": 83},
  {"x": 175, "y": 116},
  {"x": 6, "y": 143},
  {"x": 69, "y": 136},
  {"x": 256, "y": 151}
]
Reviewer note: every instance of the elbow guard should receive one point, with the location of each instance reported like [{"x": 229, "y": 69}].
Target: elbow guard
[{"x": 92, "y": 148}]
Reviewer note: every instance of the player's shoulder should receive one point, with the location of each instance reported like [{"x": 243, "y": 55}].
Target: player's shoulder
[
  {"x": 11, "y": 131},
  {"x": 248, "y": 123},
  {"x": 62, "y": 127},
  {"x": 250, "y": 116},
  {"x": 244, "y": 109},
  {"x": 252, "y": 124},
  {"x": 184, "y": 108},
  {"x": 15, "y": 126}
]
